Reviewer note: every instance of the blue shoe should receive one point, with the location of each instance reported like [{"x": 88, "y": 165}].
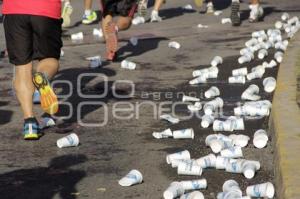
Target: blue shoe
[
  {"x": 36, "y": 97},
  {"x": 31, "y": 129}
]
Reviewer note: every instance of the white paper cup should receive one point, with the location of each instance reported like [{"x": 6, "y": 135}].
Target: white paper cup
[
  {"x": 278, "y": 56},
  {"x": 232, "y": 194},
  {"x": 285, "y": 16},
  {"x": 237, "y": 80},
  {"x": 77, "y": 36},
  {"x": 194, "y": 184},
  {"x": 132, "y": 178},
  {"x": 97, "y": 32},
  {"x": 175, "y": 162},
  {"x": 134, "y": 41},
  {"x": 272, "y": 64},
  {"x": 258, "y": 33},
  {"x": 249, "y": 170},
  {"x": 216, "y": 145},
  {"x": 200, "y": 72},
  {"x": 195, "y": 107},
  {"x": 164, "y": 134},
  {"x": 260, "y": 139},
  {"x": 225, "y": 20},
  {"x": 269, "y": 84},
  {"x": 208, "y": 161},
  {"x": 186, "y": 98},
  {"x": 230, "y": 185},
  {"x": 128, "y": 65},
  {"x": 252, "y": 42},
  {"x": 238, "y": 123},
  {"x": 198, "y": 80},
  {"x": 174, "y": 44},
  {"x": 221, "y": 162},
  {"x": 278, "y": 25},
  {"x": 138, "y": 20},
  {"x": 169, "y": 118},
  {"x": 262, "y": 53},
  {"x": 184, "y": 134},
  {"x": 68, "y": 141},
  {"x": 222, "y": 125},
  {"x": 182, "y": 155},
  {"x": 207, "y": 120},
  {"x": 193, "y": 195},
  {"x": 240, "y": 72},
  {"x": 189, "y": 169},
  {"x": 212, "y": 92},
  {"x": 240, "y": 140},
  {"x": 261, "y": 190},
  {"x": 255, "y": 75},
  {"x": 233, "y": 152},
  {"x": 245, "y": 58},
  {"x": 217, "y": 60},
  {"x": 235, "y": 166},
  {"x": 173, "y": 191}
]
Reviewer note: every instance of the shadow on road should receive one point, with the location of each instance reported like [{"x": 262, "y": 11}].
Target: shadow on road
[
  {"x": 144, "y": 45},
  {"x": 173, "y": 12},
  {"x": 44, "y": 182},
  {"x": 5, "y": 115}
]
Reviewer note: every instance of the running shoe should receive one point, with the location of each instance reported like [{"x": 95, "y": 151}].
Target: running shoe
[
  {"x": 256, "y": 13},
  {"x": 155, "y": 17},
  {"x": 66, "y": 14},
  {"x": 111, "y": 41},
  {"x": 88, "y": 19},
  {"x": 142, "y": 8},
  {"x": 31, "y": 129},
  {"x": 235, "y": 14},
  {"x": 48, "y": 98},
  {"x": 198, "y": 3},
  {"x": 210, "y": 8}
]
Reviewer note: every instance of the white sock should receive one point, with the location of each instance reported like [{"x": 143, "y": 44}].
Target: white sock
[
  {"x": 236, "y": 1},
  {"x": 210, "y": 4},
  {"x": 154, "y": 12},
  {"x": 87, "y": 12},
  {"x": 67, "y": 3}
]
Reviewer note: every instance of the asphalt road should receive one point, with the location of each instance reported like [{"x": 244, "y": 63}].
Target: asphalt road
[{"x": 40, "y": 170}]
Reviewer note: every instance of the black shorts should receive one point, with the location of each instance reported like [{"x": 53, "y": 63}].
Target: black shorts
[
  {"x": 31, "y": 38},
  {"x": 124, "y": 8}
]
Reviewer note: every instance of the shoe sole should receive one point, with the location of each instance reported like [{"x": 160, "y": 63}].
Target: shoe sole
[
  {"x": 198, "y": 3},
  {"x": 235, "y": 18},
  {"x": 48, "y": 98},
  {"x": 111, "y": 41},
  {"x": 31, "y": 136},
  {"x": 67, "y": 17}
]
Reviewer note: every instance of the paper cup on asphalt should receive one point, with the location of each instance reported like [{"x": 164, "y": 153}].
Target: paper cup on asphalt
[
  {"x": 186, "y": 98},
  {"x": 174, "y": 44},
  {"x": 138, "y": 20},
  {"x": 285, "y": 16},
  {"x": 240, "y": 72},
  {"x": 221, "y": 162},
  {"x": 231, "y": 185},
  {"x": 222, "y": 125},
  {"x": 97, "y": 32},
  {"x": 194, "y": 184},
  {"x": 175, "y": 162},
  {"x": 182, "y": 155},
  {"x": 169, "y": 118},
  {"x": 164, "y": 134},
  {"x": 278, "y": 57},
  {"x": 195, "y": 107},
  {"x": 68, "y": 141},
  {"x": 237, "y": 123},
  {"x": 193, "y": 195},
  {"x": 233, "y": 152},
  {"x": 240, "y": 140},
  {"x": 132, "y": 178},
  {"x": 212, "y": 92},
  {"x": 216, "y": 145},
  {"x": 269, "y": 84},
  {"x": 237, "y": 80},
  {"x": 208, "y": 161},
  {"x": 184, "y": 134},
  {"x": 217, "y": 60},
  {"x": 77, "y": 36},
  {"x": 134, "y": 41},
  {"x": 249, "y": 170},
  {"x": 198, "y": 80},
  {"x": 260, "y": 139},
  {"x": 173, "y": 191},
  {"x": 189, "y": 169},
  {"x": 207, "y": 120},
  {"x": 234, "y": 166},
  {"x": 262, "y": 53},
  {"x": 261, "y": 190},
  {"x": 128, "y": 65}
]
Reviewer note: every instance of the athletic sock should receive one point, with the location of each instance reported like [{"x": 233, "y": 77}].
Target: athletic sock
[
  {"x": 87, "y": 12},
  {"x": 236, "y": 1}
]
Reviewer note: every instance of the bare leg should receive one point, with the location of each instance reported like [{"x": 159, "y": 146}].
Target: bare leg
[
  {"x": 88, "y": 4},
  {"x": 48, "y": 66},
  {"x": 124, "y": 23},
  {"x": 105, "y": 21},
  {"x": 254, "y": 2},
  {"x": 24, "y": 88},
  {"x": 158, "y": 4}
]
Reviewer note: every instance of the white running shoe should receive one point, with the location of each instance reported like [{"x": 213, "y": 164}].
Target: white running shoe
[
  {"x": 155, "y": 17},
  {"x": 66, "y": 14},
  {"x": 256, "y": 13}
]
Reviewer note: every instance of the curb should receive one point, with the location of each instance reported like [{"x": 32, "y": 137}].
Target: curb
[{"x": 285, "y": 124}]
